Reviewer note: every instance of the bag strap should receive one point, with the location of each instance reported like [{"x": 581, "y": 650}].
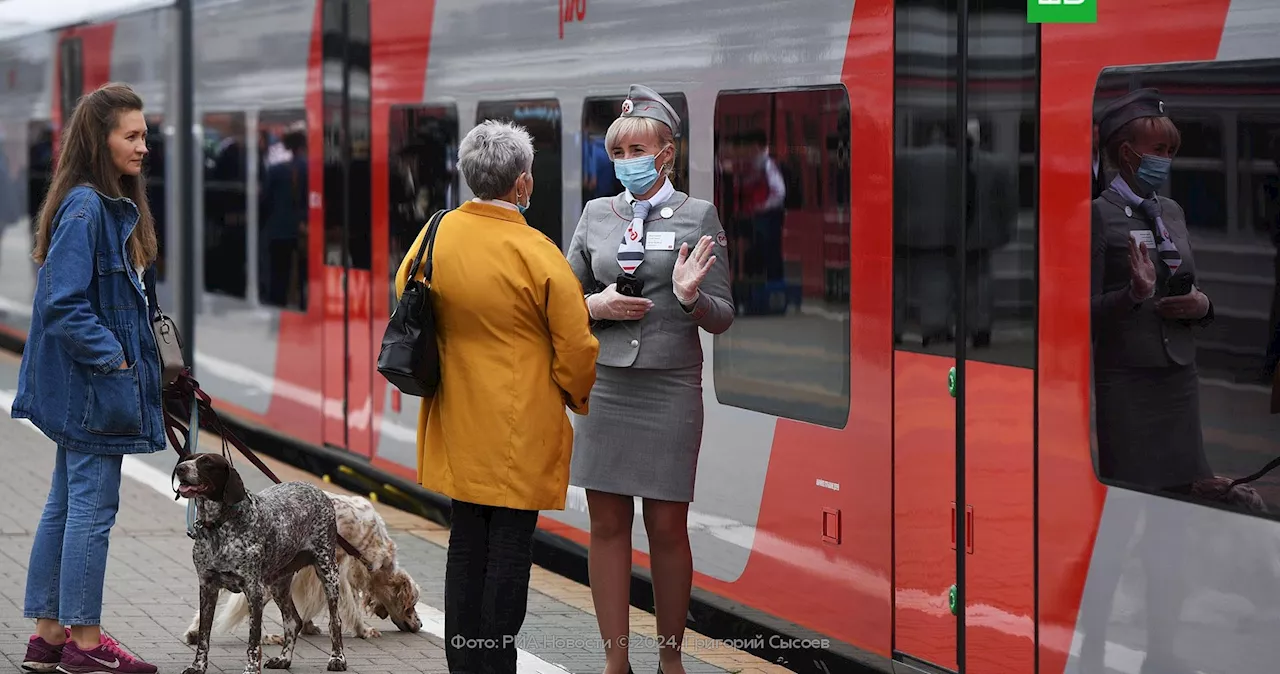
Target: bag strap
[
  {"x": 149, "y": 284},
  {"x": 1271, "y": 465},
  {"x": 428, "y": 247}
]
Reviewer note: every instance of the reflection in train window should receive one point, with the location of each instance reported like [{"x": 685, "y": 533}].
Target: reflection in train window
[
  {"x": 39, "y": 166},
  {"x": 423, "y": 173},
  {"x": 542, "y": 119},
  {"x": 1185, "y": 383},
  {"x": 283, "y": 213},
  {"x": 998, "y": 288},
  {"x": 225, "y": 211},
  {"x": 154, "y": 168},
  {"x": 598, "y": 179},
  {"x": 779, "y": 160}
]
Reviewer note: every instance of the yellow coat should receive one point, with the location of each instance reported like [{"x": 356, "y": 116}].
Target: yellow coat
[{"x": 515, "y": 348}]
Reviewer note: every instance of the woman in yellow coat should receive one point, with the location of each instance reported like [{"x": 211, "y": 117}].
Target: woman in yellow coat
[{"x": 516, "y": 348}]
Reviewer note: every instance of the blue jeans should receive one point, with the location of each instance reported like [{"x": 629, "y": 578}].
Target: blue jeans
[{"x": 69, "y": 557}]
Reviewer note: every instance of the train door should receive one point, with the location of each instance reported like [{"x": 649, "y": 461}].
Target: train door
[
  {"x": 965, "y": 159},
  {"x": 348, "y": 342}
]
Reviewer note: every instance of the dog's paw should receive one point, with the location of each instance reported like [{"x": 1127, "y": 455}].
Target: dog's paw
[
  {"x": 273, "y": 640},
  {"x": 370, "y": 633},
  {"x": 310, "y": 628},
  {"x": 277, "y": 662},
  {"x": 192, "y": 637},
  {"x": 338, "y": 664},
  {"x": 192, "y": 670}
]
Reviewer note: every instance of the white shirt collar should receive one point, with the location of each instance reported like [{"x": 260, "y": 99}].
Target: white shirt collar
[
  {"x": 497, "y": 202},
  {"x": 658, "y": 198}
]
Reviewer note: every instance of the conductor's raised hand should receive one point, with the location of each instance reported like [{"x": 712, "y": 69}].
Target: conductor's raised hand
[
  {"x": 611, "y": 305},
  {"x": 1142, "y": 272},
  {"x": 690, "y": 269}
]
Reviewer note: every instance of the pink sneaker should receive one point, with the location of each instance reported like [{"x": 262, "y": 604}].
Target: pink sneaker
[
  {"x": 42, "y": 656},
  {"x": 108, "y": 658}
]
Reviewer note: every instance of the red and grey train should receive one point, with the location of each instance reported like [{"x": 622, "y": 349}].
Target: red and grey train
[{"x": 828, "y": 473}]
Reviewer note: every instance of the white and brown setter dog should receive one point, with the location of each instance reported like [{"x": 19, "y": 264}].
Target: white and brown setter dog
[{"x": 386, "y": 592}]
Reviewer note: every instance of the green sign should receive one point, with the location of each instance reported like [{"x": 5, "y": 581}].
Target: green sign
[{"x": 1062, "y": 11}]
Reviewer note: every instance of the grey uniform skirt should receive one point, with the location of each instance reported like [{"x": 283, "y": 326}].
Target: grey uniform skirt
[
  {"x": 642, "y": 433},
  {"x": 1149, "y": 426}
]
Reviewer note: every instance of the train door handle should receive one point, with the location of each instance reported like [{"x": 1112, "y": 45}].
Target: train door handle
[
  {"x": 951, "y": 382},
  {"x": 953, "y": 525},
  {"x": 968, "y": 528}
]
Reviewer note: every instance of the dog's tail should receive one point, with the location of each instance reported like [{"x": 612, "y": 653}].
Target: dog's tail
[{"x": 230, "y": 614}]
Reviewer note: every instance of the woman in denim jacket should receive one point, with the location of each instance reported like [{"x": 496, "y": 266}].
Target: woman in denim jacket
[{"x": 90, "y": 375}]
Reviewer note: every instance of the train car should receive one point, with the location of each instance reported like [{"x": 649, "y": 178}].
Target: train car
[{"x": 876, "y": 367}]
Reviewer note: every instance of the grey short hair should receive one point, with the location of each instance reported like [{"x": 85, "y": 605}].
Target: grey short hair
[{"x": 493, "y": 155}]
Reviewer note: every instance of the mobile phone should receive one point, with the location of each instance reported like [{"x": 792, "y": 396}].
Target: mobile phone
[
  {"x": 629, "y": 285},
  {"x": 1179, "y": 285}
]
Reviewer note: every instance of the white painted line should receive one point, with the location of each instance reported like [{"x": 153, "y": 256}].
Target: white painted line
[{"x": 150, "y": 476}]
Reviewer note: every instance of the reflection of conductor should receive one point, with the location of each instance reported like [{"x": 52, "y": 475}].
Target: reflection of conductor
[{"x": 284, "y": 203}]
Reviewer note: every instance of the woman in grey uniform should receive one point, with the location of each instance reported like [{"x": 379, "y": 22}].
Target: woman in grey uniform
[
  {"x": 653, "y": 261},
  {"x": 1144, "y": 304}
]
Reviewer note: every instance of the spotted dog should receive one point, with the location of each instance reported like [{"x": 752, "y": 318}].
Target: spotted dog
[
  {"x": 254, "y": 544},
  {"x": 383, "y": 588}
]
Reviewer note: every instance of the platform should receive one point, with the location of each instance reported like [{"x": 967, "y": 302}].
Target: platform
[{"x": 151, "y": 592}]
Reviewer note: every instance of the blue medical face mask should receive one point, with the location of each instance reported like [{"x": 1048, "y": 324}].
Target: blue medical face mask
[
  {"x": 1153, "y": 171},
  {"x": 637, "y": 174}
]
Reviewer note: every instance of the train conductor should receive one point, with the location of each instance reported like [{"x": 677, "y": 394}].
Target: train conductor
[{"x": 654, "y": 265}]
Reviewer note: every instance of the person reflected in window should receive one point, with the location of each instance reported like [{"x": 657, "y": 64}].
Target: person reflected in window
[
  {"x": 1144, "y": 305},
  {"x": 645, "y": 428},
  {"x": 515, "y": 349},
  {"x": 285, "y": 217},
  {"x": 1271, "y": 211},
  {"x": 992, "y": 217}
]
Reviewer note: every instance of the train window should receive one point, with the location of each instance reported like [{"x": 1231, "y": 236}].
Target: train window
[
  {"x": 225, "y": 212},
  {"x": 998, "y": 289},
  {"x": 598, "y": 179},
  {"x": 360, "y": 127},
  {"x": 1186, "y": 387},
  {"x": 283, "y": 212},
  {"x": 70, "y": 74},
  {"x": 157, "y": 195},
  {"x": 39, "y": 166},
  {"x": 423, "y": 173},
  {"x": 778, "y": 155},
  {"x": 542, "y": 119}
]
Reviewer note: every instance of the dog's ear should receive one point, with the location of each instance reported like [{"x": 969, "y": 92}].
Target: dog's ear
[{"x": 233, "y": 490}]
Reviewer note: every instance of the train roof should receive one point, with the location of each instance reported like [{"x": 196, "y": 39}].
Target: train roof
[{"x": 24, "y": 17}]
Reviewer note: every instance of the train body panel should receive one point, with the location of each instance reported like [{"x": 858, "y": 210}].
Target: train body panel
[{"x": 827, "y": 478}]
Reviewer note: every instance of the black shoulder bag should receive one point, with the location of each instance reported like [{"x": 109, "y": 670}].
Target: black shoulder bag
[
  {"x": 410, "y": 357},
  {"x": 168, "y": 342}
]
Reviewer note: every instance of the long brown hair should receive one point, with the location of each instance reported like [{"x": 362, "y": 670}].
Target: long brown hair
[{"x": 85, "y": 157}]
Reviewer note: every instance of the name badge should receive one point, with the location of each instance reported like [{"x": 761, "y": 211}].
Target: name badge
[
  {"x": 1144, "y": 236},
  {"x": 660, "y": 241}
]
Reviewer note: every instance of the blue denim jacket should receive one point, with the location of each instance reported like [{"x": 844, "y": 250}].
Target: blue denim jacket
[{"x": 89, "y": 315}]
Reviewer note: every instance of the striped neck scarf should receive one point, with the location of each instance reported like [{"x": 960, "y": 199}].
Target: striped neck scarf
[
  {"x": 631, "y": 249},
  {"x": 1150, "y": 207}
]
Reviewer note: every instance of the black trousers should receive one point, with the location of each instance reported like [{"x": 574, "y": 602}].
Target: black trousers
[{"x": 486, "y": 586}]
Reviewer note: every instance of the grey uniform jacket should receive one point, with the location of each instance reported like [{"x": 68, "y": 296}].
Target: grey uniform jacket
[
  {"x": 667, "y": 337},
  {"x": 1127, "y": 334}
]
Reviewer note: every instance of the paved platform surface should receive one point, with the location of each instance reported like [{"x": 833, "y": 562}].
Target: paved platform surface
[{"x": 151, "y": 594}]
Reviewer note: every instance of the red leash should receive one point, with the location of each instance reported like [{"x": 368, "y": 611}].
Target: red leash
[{"x": 180, "y": 395}]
